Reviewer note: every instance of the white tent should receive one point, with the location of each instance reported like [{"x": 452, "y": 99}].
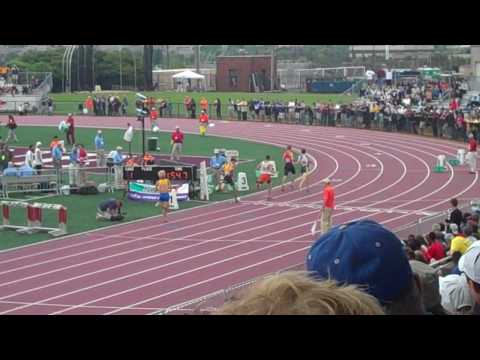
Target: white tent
[{"x": 188, "y": 75}]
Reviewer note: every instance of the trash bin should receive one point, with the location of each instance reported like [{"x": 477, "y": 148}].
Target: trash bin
[{"x": 152, "y": 144}]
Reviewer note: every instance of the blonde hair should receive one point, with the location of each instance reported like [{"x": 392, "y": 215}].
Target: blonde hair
[
  {"x": 162, "y": 174},
  {"x": 295, "y": 293}
]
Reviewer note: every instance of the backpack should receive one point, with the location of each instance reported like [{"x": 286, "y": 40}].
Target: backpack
[{"x": 88, "y": 189}]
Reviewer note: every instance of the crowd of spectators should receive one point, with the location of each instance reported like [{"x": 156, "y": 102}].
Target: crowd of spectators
[
  {"x": 105, "y": 105},
  {"x": 361, "y": 268}
]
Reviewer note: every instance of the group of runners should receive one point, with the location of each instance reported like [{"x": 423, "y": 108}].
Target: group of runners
[{"x": 267, "y": 169}]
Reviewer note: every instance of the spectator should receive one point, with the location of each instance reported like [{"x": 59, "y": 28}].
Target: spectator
[
  {"x": 429, "y": 284},
  {"x": 26, "y": 170},
  {"x": 54, "y": 142},
  {"x": 218, "y": 108},
  {"x": 38, "y": 158},
  {"x": 12, "y": 129},
  {"x": 30, "y": 157},
  {"x": 455, "y": 296},
  {"x": 11, "y": 170},
  {"x": 177, "y": 143},
  {"x": 71, "y": 130},
  {"x": 100, "y": 149},
  {"x": 458, "y": 245},
  {"x": 57, "y": 156},
  {"x": 82, "y": 162},
  {"x": 435, "y": 250},
  {"x": 364, "y": 253},
  {"x": 294, "y": 293},
  {"x": 50, "y": 106},
  {"x": 469, "y": 265},
  {"x": 118, "y": 160},
  {"x": 468, "y": 232},
  {"x": 455, "y": 214}
]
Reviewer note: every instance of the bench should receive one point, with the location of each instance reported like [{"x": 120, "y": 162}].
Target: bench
[{"x": 27, "y": 184}]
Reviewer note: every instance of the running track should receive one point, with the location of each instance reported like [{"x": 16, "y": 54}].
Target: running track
[{"x": 146, "y": 266}]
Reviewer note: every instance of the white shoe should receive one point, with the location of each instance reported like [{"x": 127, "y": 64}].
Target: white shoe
[
  {"x": 314, "y": 228},
  {"x": 157, "y": 204}
]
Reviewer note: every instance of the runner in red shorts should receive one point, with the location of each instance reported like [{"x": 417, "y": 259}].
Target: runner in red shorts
[{"x": 266, "y": 172}]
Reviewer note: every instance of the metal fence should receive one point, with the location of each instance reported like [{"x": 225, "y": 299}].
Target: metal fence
[{"x": 68, "y": 179}]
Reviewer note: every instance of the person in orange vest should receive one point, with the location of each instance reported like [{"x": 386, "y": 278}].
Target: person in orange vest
[
  {"x": 132, "y": 161},
  {"x": 148, "y": 159},
  {"x": 204, "y": 105},
  {"x": 203, "y": 123},
  {"x": 89, "y": 104}
]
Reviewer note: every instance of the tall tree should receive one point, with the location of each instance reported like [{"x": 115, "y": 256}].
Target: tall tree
[{"x": 148, "y": 66}]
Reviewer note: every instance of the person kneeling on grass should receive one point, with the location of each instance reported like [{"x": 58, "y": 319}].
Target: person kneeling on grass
[
  {"x": 163, "y": 186},
  {"x": 110, "y": 209}
]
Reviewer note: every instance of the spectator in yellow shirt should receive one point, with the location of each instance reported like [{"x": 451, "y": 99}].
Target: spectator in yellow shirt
[{"x": 459, "y": 244}]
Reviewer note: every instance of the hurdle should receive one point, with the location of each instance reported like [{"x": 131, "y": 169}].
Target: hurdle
[
  {"x": 34, "y": 218},
  {"x": 440, "y": 166}
]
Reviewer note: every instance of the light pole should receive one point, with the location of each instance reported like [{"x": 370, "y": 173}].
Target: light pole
[{"x": 121, "y": 72}]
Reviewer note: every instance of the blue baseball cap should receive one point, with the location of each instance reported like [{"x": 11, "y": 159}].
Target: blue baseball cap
[{"x": 362, "y": 253}]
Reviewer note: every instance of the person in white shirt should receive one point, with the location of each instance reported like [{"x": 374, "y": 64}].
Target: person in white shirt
[
  {"x": 38, "y": 158},
  {"x": 304, "y": 169},
  {"x": 267, "y": 169},
  {"x": 29, "y": 156}
]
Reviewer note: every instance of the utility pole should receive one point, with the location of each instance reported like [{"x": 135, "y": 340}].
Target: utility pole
[
  {"x": 121, "y": 71},
  {"x": 272, "y": 65}
]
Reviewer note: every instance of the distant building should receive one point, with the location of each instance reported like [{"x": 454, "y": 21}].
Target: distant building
[
  {"x": 248, "y": 73},
  {"x": 392, "y": 51}
]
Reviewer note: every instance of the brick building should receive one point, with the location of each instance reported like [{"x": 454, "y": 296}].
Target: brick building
[{"x": 248, "y": 73}]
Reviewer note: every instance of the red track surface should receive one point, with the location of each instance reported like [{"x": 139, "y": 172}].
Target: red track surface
[{"x": 142, "y": 267}]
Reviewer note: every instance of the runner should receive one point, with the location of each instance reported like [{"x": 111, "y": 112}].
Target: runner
[
  {"x": 289, "y": 169},
  {"x": 163, "y": 186},
  {"x": 304, "y": 169},
  {"x": 203, "y": 123},
  {"x": 266, "y": 172},
  {"x": 228, "y": 176}
]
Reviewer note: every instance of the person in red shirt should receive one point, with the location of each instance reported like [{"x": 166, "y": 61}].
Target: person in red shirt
[
  {"x": 153, "y": 116},
  {"x": 203, "y": 123},
  {"x": 289, "y": 169},
  {"x": 454, "y": 105},
  {"x": 71, "y": 130},
  {"x": 472, "y": 154},
  {"x": 177, "y": 143},
  {"x": 82, "y": 162},
  {"x": 435, "y": 250},
  {"x": 327, "y": 208}
]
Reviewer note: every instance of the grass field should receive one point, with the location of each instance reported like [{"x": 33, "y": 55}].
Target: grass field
[
  {"x": 66, "y": 103},
  {"x": 82, "y": 208}
]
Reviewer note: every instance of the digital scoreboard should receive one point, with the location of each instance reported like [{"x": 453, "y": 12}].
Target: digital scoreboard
[{"x": 174, "y": 173}]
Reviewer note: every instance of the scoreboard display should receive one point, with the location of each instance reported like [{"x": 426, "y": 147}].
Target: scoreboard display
[{"x": 174, "y": 173}]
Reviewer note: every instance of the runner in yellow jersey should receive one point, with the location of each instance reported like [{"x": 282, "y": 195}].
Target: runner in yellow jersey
[
  {"x": 228, "y": 176},
  {"x": 163, "y": 186}
]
